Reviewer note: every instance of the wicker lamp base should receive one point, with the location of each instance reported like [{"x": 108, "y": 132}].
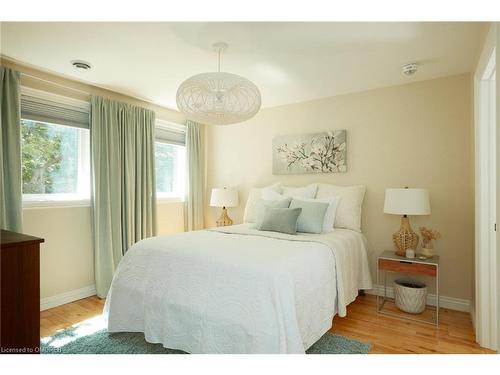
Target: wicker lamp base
[
  {"x": 224, "y": 220},
  {"x": 405, "y": 237}
]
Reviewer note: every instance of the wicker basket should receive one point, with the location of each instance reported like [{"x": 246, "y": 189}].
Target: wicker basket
[{"x": 410, "y": 295}]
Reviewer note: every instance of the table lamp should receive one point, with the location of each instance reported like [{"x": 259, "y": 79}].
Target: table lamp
[
  {"x": 406, "y": 202},
  {"x": 225, "y": 197}
]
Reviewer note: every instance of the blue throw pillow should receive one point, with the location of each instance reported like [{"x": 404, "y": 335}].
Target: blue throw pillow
[
  {"x": 264, "y": 204},
  {"x": 312, "y": 216},
  {"x": 283, "y": 220}
]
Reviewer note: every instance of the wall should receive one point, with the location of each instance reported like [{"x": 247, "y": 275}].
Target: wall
[
  {"x": 415, "y": 135},
  {"x": 170, "y": 217},
  {"x": 67, "y": 260}
]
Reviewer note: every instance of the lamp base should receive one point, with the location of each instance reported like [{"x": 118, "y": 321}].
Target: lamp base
[
  {"x": 224, "y": 220},
  {"x": 405, "y": 237}
]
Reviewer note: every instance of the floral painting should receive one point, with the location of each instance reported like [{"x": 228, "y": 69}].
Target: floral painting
[{"x": 310, "y": 153}]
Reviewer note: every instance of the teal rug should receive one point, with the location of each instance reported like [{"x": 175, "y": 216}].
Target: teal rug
[{"x": 91, "y": 338}]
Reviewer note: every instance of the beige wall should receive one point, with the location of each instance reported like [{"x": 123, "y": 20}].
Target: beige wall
[
  {"x": 170, "y": 217},
  {"x": 415, "y": 135},
  {"x": 67, "y": 262},
  {"x": 67, "y": 258}
]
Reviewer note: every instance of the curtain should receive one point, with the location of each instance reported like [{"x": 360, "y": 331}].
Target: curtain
[
  {"x": 195, "y": 185},
  {"x": 10, "y": 155},
  {"x": 123, "y": 182}
]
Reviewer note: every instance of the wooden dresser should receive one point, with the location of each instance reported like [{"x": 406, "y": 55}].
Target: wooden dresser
[{"x": 20, "y": 293}]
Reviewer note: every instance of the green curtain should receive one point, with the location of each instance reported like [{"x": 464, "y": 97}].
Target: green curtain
[
  {"x": 195, "y": 186},
  {"x": 123, "y": 182},
  {"x": 10, "y": 155}
]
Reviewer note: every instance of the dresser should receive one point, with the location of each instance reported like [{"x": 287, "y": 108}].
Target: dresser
[{"x": 20, "y": 293}]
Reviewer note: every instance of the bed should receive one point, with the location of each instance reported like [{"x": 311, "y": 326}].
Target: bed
[{"x": 236, "y": 289}]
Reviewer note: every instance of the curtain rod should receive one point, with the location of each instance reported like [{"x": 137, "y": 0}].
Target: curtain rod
[{"x": 55, "y": 83}]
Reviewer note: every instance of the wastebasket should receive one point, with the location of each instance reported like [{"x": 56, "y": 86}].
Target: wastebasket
[{"x": 410, "y": 295}]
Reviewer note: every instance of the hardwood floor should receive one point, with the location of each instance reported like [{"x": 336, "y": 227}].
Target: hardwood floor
[
  {"x": 386, "y": 334},
  {"x": 391, "y": 335},
  {"x": 65, "y": 316}
]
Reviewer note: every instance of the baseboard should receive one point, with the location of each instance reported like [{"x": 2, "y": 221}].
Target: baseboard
[
  {"x": 67, "y": 297},
  {"x": 473, "y": 317},
  {"x": 88, "y": 291},
  {"x": 444, "y": 301}
]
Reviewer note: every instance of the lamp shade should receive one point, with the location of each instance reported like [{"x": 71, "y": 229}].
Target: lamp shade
[
  {"x": 225, "y": 197},
  {"x": 407, "y": 202}
]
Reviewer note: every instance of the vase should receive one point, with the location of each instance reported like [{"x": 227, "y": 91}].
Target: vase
[
  {"x": 427, "y": 249},
  {"x": 405, "y": 237},
  {"x": 427, "y": 252}
]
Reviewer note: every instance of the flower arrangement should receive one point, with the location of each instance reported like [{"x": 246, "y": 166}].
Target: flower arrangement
[{"x": 427, "y": 236}]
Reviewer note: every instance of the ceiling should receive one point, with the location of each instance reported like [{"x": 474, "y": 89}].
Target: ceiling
[{"x": 289, "y": 62}]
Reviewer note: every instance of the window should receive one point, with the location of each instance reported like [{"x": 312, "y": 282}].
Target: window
[
  {"x": 170, "y": 161},
  {"x": 55, "y": 162},
  {"x": 55, "y": 149},
  {"x": 170, "y": 167}
]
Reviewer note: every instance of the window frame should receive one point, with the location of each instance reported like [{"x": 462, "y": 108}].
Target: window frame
[
  {"x": 82, "y": 197},
  {"x": 162, "y": 197}
]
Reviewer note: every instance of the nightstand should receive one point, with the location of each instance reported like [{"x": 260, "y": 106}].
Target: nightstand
[{"x": 388, "y": 261}]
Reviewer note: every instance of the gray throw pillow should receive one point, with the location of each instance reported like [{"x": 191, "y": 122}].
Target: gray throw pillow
[
  {"x": 312, "y": 216},
  {"x": 283, "y": 220},
  {"x": 264, "y": 204}
]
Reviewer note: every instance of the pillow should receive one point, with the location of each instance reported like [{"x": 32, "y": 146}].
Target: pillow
[
  {"x": 254, "y": 197},
  {"x": 349, "y": 208},
  {"x": 331, "y": 211},
  {"x": 271, "y": 195},
  {"x": 307, "y": 192},
  {"x": 283, "y": 220},
  {"x": 262, "y": 205},
  {"x": 312, "y": 216}
]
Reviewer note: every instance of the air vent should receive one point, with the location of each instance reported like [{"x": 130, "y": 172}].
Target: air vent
[
  {"x": 410, "y": 69},
  {"x": 81, "y": 65}
]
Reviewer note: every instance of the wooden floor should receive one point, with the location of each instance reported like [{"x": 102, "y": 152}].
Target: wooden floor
[{"x": 386, "y": 334}]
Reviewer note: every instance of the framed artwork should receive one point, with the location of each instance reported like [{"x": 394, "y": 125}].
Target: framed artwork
[{"x": 310, "y": 153}]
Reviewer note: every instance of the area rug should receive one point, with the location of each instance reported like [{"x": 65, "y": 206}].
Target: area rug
[{"x": 91, "y": 337}]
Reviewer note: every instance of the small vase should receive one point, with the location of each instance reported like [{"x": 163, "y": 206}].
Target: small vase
[{"x": 427, "y": 252}]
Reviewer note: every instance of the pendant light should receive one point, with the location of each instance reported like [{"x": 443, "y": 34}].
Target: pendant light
[{"x": 218, "y": 98}]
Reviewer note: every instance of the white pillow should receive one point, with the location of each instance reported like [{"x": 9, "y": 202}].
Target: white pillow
[
  {"x": 349, "y": 207},
  {"x": 331, "y": 211},
  {"x": 254, "y": 197},
  {"x": 305, "y": 192},
  {"x": 271, "y": 195}
]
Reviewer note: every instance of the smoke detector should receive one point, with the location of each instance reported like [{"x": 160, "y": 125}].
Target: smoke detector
[
  {"x": 410, "y": 69},
  {"x": 81, "y": 65}
]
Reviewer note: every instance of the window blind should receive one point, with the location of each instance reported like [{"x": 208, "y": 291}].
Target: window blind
[
  {"x": 38, "y": 108},
  {"x": 167, "y": 134}
]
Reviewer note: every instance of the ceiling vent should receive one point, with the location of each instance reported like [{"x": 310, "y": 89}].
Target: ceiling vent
[
  {"x": 410, "y": 69},
  {"x": 81, "y": 65}
]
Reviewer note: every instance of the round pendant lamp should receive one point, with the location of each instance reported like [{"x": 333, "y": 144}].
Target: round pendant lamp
[{"x": 218, "y": 98}]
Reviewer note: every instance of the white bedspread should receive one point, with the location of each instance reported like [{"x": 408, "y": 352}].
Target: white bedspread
[{"x": 237, "y": 290}]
